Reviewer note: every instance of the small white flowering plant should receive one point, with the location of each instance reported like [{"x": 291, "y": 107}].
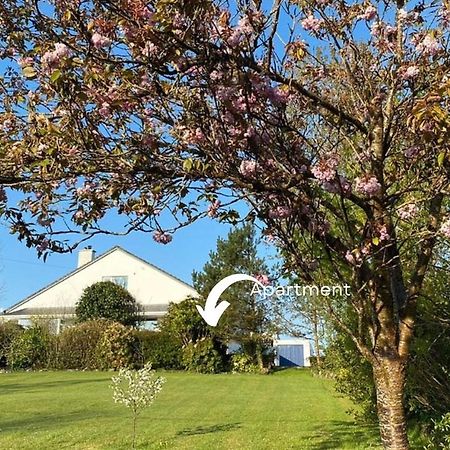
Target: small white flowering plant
[{"x": 136, "y": 389}]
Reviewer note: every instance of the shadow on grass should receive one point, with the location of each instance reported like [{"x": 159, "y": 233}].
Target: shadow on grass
[
  {"x": 27, "y": 387},
  {"x": 209, "y": 429},
  {"x": 338, "y": 434},
  {"x": 45, "y": 422}
]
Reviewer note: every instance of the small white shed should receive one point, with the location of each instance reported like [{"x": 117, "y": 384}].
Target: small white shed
[{"x": 293, "y": 352}]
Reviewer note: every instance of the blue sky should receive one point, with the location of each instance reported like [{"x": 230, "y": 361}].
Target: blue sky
[{"x": 22, "y": 273}]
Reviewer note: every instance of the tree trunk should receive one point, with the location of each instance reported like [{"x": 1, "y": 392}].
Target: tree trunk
[
  {"x": 316, "y": 339},
  {"x": 390, "y": 376}
]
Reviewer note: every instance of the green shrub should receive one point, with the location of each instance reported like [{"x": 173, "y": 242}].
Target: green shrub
[
  {"x": 203, "y": 356},
  {"x": 440, "y": 435},
  {"x": 159, "y": 349},
  {"x": 243, "y": 363},
  {"x": 107, "y": 300},
  {"x": 117, "y": 346},
  {"x": 77, "y": 347},
  {"x": 30, "y": 348},
  {"x": 8, "y": 332}
]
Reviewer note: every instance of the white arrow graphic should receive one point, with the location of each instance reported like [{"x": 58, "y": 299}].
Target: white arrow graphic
[{"x": 212, "y": 313}]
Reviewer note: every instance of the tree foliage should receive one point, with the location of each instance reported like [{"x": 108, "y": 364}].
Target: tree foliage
[
  {"x": 247, "y": 317},
  {"x": 333, "y": 129},
  {"x": 183, "y": 322},
  {"x": 107, "y": 300}
]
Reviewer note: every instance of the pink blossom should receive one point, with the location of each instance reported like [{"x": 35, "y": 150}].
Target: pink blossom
[
  {"x": 263, "y": 279},
  {"x": 150, "y": 50},
  {"x": 325, "y": 170},
  {"x": 43, "y": 245},
  {"x": 428, "y": 46},
  {"x": 213, "y": 208},
  {"x": 248, "y": 168},
  {"x": 408, "y": 211},
  {"x": 383, "y": 233},
  {"x": 369, "y": 14},
  {"x": 280, "y": 212},
  {"x": 99, "y": 41},
  {"x": 216, "y": 75},
  {"x": 350, "y": 257},
  {"x": 162, "y": 237},
  {"x": 27, "y": 61},
  {"x": 341, "y": 185},
  {"x": 367, "y": 185},
  {"x": 310, "y": 23},
  {"x": 412, "y": 152},
  {"x": 410, "y": 73},
  {"x": 445, "y": 228},
  {"x": 105, "y": 110},
  {"x": 53, "y": 58},
  {"x": 79, "y": 215}
]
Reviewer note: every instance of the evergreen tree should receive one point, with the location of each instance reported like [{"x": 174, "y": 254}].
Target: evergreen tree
[{"x": 246, "y": 319}]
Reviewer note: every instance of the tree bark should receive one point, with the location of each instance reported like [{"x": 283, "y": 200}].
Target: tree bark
[
  {"x": 316, "y": 339},
  {"x": 390, "y": 376}
]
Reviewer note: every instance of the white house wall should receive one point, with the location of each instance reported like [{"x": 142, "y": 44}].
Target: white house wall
[{"x": 147, "y": 284}]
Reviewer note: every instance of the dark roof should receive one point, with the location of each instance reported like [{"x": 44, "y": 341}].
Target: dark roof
[{"x": 84, "y": 266}]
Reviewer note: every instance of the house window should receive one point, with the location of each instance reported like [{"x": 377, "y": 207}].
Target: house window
[{"x": 121, "y": 280}]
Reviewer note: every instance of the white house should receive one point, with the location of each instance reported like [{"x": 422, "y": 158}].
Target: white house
[{"x": 153, "y": 288}]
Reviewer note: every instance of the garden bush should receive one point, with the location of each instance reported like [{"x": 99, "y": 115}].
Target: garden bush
[
  {"x": 8, "y": 332},
  {"x": 161, "y": 350},
  {"x": 117, "y": 346},
  {"x": 243, "y": 363},
  {"x": 440, "y": 435},
  {"x": 107, "y": 300},
  {"x": 77, "y": 347},
  {"x": 30, "y": 349},
  {"x": 203, "y": 357}
]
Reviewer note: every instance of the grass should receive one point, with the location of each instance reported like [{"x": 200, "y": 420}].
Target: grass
[{"x": 286, "y": 410}]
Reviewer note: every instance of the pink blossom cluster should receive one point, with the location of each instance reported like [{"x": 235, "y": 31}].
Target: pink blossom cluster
[
  {"x": 162, "y": 237},
  {"x": 86, "y": 190},
  {"x": 367, "y": 185},
  {"x": 383, "y": 233},
  {"x": 43, "y": 245},
  {"x": 410, "y": 73},
  {"x": 100, "y": 41},
  {"x": 79, "y": 215},
  {"x": 213, "y": 208},
  {"x": 310, "y": 23},
  {"x": 428, "y": 46},
  {"x": 52, "y": 59},
  {"x": 445, "y": 14},
  {"x": 244, "y": 29},
  {"x": 325, "y": 170},
  {"x": 338, "y": 186},
  {"x": 248, "y": 168},
  {"x": 191, "y": 136},
  {"x": 407, "y": 212},
  {"x": 280, "y": 212},
  {"x": 356, "y": 256},
  {"x": 445, "y": 228},
  {"x": 262, "y": 278},
  {"x": 25, "y": 62},
  {"x": 369, "y": 13},
  {"x": 412, "y": 152}
]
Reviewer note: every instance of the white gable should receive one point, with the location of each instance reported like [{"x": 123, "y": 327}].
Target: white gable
[{"x": 149, "y": 285}]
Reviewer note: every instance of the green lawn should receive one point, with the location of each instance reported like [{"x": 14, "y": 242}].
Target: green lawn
[{"x": 286, "y": 410}]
